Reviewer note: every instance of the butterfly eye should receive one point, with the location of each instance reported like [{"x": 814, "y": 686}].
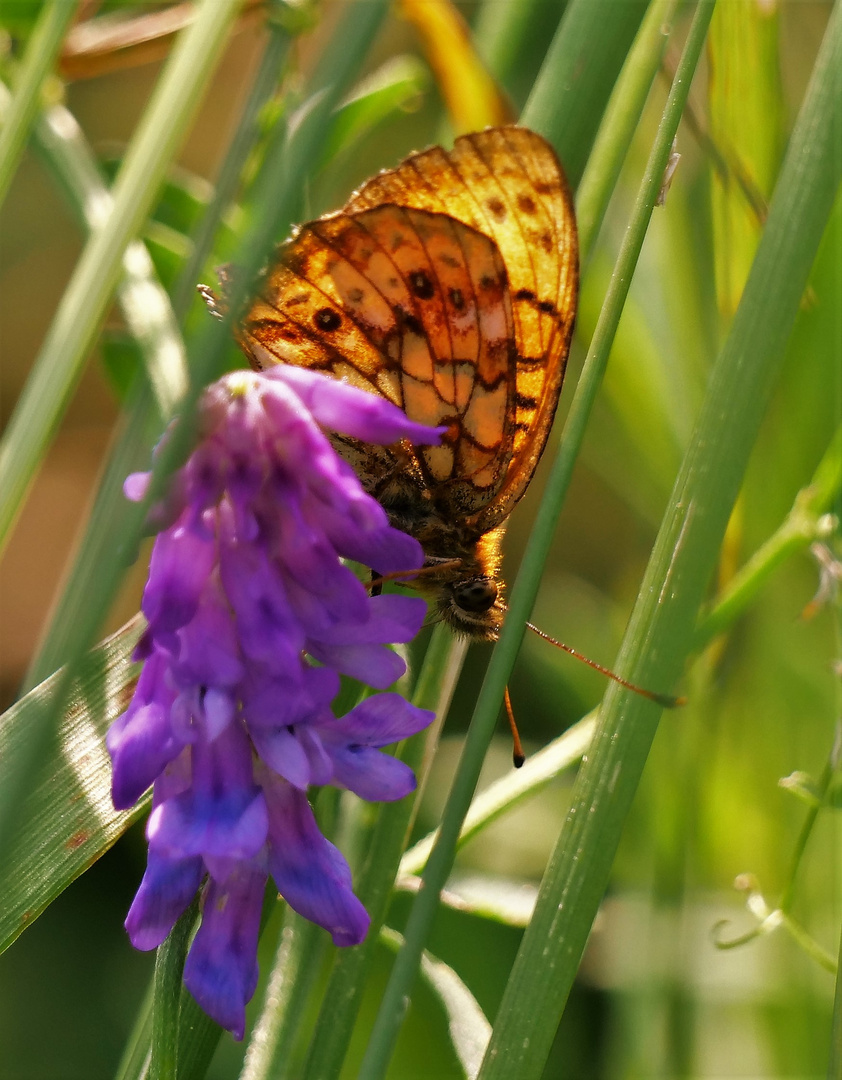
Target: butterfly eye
[{"x": 476, "y": 595}]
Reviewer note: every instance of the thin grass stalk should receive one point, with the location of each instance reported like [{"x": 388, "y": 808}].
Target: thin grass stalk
[
  {"x": 423, "y": 912},
  {"x": 660, "y": 630},
  {"x": 169, "y": 966},
  {"x": 342, "y": 998},
  {"x": 270, "y": 1051},
  {"x": 507, "y": 35},
  {"x": 61, "y": 360},
  {"x": 38, "y": 61},
  {"x": 134, "y": 1064},
  {"x": 106, "y": 524},
  {"x": 269, "y": 72},
  {"x": 149, "y": 317},
  {"x": 144, "y": 303},
  {"x": 285, "y": 161},
  {"x": 834, "y": 1059},
  {"x": 622, "y": 115},
  {"x": 289, "y": 160},
  {"x": 806, "y": 522}
]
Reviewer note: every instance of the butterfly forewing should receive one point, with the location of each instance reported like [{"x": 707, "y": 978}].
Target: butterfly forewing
[
  {"x": 507, "y": 183},
  {"x": 447, "y": 285}
]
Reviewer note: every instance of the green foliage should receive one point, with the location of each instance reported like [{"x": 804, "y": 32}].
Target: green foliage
[{"x": 717, "y": 316}]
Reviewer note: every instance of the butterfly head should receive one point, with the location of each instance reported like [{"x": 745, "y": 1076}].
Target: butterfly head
[{"x": 473, "y": 607}]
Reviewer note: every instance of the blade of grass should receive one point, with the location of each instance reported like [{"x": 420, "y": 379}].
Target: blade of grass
[
  {"x": 804, "y": 524},
  {"x": 39, "y": 59},
  {"x": 67, "y": 820},
  {"x": 396, "y": 996},
  {"x": 61, "y": 359},
  {"x": 69, "y": 339},
  {"x": 512, "y": 37},
  {"x": 149, "y": 317},
  {"x": 467, "y": 1024},
  {"x": 134, "y": 1064},
  {"x": 589, "y": 48},
  {"x": 290, "y": 155},
  {"x": 288, "y": 160},
  {"x": 660, "y": 630},
  {"x": 143, "y": 301},
  {"x": 506, "y": 793},
  {"x": 272, "y": 64},
  {"x": 169, "y": 967},
  {"x": 834, "y": 1061},
  {"x": 619, "y": 123},
  {"x": 270, "y": 1051},
  {"x": 154, "y": 327},
  {"x": 342, "y": 998}
]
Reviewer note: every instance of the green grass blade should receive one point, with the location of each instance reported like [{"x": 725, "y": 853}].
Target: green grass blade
[
  {"x": 143, "y": 301},
  {"x": 805, "y": 523},
  {"x": 512, "y": 37},
  {"x": 589, "y": 48},
  {"x": 621, "y": 119},
  {"x": 38, "y": 61},
  {"x": 169, "y": 968},
  {"x": 467, "y": 1024},
  {"x": 394, "y": 1000},
  {"x": 63, "y": 354},
  {"x": 67, "y": 820},
  {"x": 510, "y": 790},
  {"x": 834, "y": 1063},
  {"x": 660, "y": 630},
  {"x": 341, "y": 1000},
  {"x": 268, "y": 76},
  {"x": 69, "y": 338}
]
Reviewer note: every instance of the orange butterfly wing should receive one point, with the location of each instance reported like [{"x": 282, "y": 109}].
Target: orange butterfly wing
[
  {"x": 507, "y": 183},
  {"x": 448, "y": 285}
]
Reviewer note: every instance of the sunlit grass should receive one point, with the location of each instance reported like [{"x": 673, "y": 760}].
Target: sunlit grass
[{"x": 655, "y": 996}]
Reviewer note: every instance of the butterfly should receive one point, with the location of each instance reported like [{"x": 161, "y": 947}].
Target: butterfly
[{"x": 449, "y": 286}]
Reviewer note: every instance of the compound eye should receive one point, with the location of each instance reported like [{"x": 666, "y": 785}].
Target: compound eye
[{"x": 476, "y": 595}]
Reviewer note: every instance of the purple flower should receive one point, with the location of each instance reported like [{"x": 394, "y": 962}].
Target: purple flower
[{"x": 252, "y": 618}]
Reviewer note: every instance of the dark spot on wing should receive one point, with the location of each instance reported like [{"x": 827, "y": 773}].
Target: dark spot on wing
[
  {"x": 526, "y": 204},
  {"x": 327, "y": 319},
  {"x": 496, "y": 207},
  {"x": 524, "y": 294},
  {"x": 457, "y": 299},
  {"x": 406, "y": 320},
  {"x": 419, "y": 282}
]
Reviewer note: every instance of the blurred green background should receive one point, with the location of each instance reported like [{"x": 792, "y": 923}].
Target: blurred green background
[{"x": 655, "y": 997}]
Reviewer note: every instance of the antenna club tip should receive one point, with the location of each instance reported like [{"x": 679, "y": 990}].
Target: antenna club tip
[
  {"x": 670, "y": 702},
  {"x": 518, "y": 760}
]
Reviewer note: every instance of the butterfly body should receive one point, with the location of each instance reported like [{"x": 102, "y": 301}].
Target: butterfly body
[{"x": 447, "y": 285}]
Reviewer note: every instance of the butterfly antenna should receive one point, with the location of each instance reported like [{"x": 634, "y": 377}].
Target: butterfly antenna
[
  {"x": 667, "y": 701},
  {"x": 518, "y": 756}
]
